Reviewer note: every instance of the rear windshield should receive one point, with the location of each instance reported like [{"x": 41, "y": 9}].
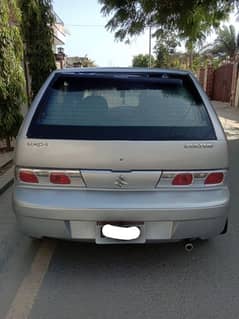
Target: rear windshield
[{"x": 121, "y": 107}]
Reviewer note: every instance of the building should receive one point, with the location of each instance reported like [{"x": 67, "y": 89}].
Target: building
[
  {"x": 60, "y": 34},
  {"x": 76, "y": 62}
]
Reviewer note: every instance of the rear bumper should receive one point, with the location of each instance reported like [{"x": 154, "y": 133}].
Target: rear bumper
[{"x": 51, "y": 212}]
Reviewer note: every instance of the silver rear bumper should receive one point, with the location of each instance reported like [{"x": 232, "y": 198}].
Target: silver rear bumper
[{"x": 51, "y": 212}]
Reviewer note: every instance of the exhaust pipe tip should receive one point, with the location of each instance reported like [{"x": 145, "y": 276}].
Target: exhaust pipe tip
[{"x": 188, "y": 247}]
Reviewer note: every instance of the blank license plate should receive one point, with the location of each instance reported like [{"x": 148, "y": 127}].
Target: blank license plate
[{"x": 120, "y": 233}]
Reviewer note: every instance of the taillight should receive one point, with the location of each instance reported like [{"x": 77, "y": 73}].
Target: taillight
[
  {"x": 28, "y": 177},
  {"x": 48, "y": 177},
  {"x": 214, "y": 178},
  {"x": 59, "y": 178},
  {"x": 183, "y": 179}
]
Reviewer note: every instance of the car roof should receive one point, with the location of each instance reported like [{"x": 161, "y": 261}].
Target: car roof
[{"x": 121, "y": 70}]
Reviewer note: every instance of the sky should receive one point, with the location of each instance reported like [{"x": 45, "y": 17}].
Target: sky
[
  {"x": 88, "y": 36},
  {"x": 95, "y": 41}
]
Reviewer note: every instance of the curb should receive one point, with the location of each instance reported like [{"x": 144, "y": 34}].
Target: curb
[
  {"x": 5, "y": 164},
  {"x": 6, "y": 180},
  {"x": 6, "y": 186}
]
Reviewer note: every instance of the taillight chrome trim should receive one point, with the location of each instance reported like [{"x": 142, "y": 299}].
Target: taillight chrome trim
[
  {"x": 43, "y": 176},
  {"x": 198, "y": 181},
  {"x": 165, "y": 179}
]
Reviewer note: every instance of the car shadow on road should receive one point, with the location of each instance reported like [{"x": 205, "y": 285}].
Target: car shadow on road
[{"x": 146, "y": 257}]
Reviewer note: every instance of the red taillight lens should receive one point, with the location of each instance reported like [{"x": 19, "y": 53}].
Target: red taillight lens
[
  {"x": 59, "y": 178},
  {"x": 28, "y": 177},
  {"x": 182, "y": 179},
  {"x": 214, "y": 178}
]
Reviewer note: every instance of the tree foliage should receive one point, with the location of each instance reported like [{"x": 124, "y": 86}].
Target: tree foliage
[
  {"x": 226, "y": 44},
  {"x": 77, "y": 61},
  {"x": 37, "y": 29},
  {"x": 189, "y": 19},
  {"x": 143, "y": 60},
  {"x": 165, "y": 49},
  {"x": 171, "y": 58},
  {"x": 86, "y": 62},
  {"x": 12, "y": 83}
]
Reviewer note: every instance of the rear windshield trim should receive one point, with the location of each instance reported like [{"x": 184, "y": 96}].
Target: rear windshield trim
[{"x": 83, "y": 132}]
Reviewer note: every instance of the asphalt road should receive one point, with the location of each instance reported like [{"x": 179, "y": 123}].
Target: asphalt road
[{"x": 64, "y": 280}]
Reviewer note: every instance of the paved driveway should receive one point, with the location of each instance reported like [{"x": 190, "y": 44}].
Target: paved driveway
[{"x": 229, "y": 118}]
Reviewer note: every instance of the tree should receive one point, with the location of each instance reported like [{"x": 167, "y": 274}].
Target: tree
[
  {"x": 12, "y": 83},
  {"x": 143, "y": 60},
  {"x": 37, "y": 29},
  {"x": 86, "y": 62},
  {"x": 226, "y": 45},
  {"x": 78, "y": 62},
  {"x": 165, "y": 49},
  {"x": 189, "y": 19}
]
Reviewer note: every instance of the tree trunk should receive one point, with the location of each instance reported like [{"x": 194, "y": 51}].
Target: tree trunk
[
  {"x": 8, "y": 142},
  {"x": 27, "y": 78},
  {"x": 190, "y": 59}
]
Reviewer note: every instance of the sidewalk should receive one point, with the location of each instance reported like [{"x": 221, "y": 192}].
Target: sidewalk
[
  {"x": 228, "y": 116},
  {"x": 6, "y": 170},
  {"x": 5, "y": 158}
]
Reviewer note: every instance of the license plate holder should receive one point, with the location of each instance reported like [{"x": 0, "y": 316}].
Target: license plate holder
[{"x": 101, "y": 239}]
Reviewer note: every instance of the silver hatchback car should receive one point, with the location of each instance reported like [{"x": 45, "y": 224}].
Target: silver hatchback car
[{"x": 115, "y": 155}]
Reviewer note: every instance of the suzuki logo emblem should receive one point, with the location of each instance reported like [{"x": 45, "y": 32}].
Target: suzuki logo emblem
[{"x": 121, "y": 182}]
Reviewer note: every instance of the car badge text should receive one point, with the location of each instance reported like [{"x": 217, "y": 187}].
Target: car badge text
[
  {"x": 199, "y": 145},
  {"x": 37, "y": 144}
]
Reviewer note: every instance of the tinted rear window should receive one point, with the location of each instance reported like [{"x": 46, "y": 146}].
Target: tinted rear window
[{"x": 121, "y": 107}]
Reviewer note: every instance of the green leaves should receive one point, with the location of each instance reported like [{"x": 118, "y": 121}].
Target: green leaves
[
  {"x": 37, "y": 30},
  {"x": 190, "y": 19},
  {"x": 226, "y": 44},
  {"x": 12, "y": 83},
  {"x": 36, "y": 20},
  {"x": 142, "y": 60}
]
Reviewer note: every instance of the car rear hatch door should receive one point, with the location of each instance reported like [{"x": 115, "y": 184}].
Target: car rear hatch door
[{"x": 122, "y": 131}]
